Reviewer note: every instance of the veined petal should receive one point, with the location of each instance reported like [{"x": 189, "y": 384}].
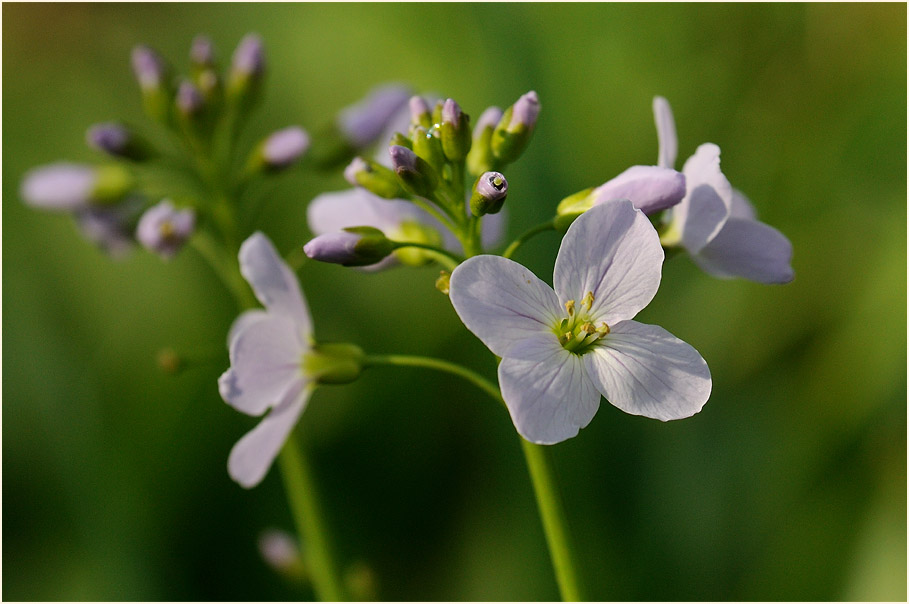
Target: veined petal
[
  {"x": 253, "y": 454},
  {"x": 666, "y": 135},
  {"x": 265, "y": 359},
  {"x": 614, "y": 252},
  {"x": 274, "y": 284},
  {"x": 645, "y": 370},
  {"x": 547, "y": 390},
  {"x": 502, "y": 302},
  {"x": 749, "y": 249},
  {"x": 650, "y": 188},
  {"x": 705, "y": 208}
]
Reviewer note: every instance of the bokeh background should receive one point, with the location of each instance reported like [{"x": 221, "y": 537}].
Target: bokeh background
[{"x": 790, "y": 485}]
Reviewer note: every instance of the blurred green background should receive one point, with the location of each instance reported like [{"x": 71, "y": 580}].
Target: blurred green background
[{"x": 789, "y": 485}]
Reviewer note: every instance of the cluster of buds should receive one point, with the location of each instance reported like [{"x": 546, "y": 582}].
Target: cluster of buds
[{"x": 117, "y": 204}]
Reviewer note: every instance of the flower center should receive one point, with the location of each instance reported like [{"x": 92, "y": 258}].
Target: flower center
[{"x": 576, "y": 332}]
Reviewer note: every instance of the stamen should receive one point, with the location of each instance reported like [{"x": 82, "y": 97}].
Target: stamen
[
  {"x": 569, "y": 306},
  {"x": 588, "y": 300},
  {"x": 603, "y": 329},
  {"x": 565, "y": 338},
  {"x": 588, "y": 328}
]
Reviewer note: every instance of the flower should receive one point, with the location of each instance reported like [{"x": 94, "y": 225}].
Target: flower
[
  {"x": 61, "y": 186},
  {"x": 274, "y": 361},
  {"x": 164, "y": 229},
  {"x": 715, "y": 223},
  {"x": 561, "y": 349},
  {"x": 376, "y": 117}
]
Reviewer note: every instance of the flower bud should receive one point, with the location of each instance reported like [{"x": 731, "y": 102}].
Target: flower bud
[
  {"x": 189, "y": 101},
  {"x": 282, "y": 148},
  {"x": 202, "y": 53},
  {"x": 513, "y": 132},
  {"x": 164, "y": 229},
  {"x": 374, "y": 177},
  {"x": 480, "y": 158},
  {"x": 420, "y": 114},
  {"x": 66, "y": 186},
  {"x": 414, "y": 173},
  {"x": 488, "y": 194},
  {"x": 333, "y": 363},
  {"x": 455, "y": 131},
  {"x": 354, "y": 246},
  {"x": 247, "y": 70},
  {"x": 428, "y": 145},
  {"x": 363, "y": 123},
  {"x": 153, "y": 76},
  {"x": 118, "y": 140}
]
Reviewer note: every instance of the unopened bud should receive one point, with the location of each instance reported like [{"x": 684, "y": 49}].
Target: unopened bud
[
  {"x": 455, "y": 131},
  {"x": 374, "y": 177},
  {"x": 153, "y": 75},
  {"x": 414, "y": 173},
  {"x": 355, "y": 246},
  {"x": 164, "y": 229},
  {"x": 514, "y": 130},
  {"x": 202, "y": 53},
  {"x": 247, "y": 70},
  {"x": 428, "y": 145},
  {"x": 118, "y": 140},
  {"x": 480, "y": 158},
  {"x": 282, "y": 148},
  {"x": 420, "y": 114},
  {"x": 189, "y": 101},
  {"x": 488, "y": 194}
]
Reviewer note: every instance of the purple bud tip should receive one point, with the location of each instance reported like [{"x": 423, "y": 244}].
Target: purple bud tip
[
  {"x": 249, "y": 57},
  {"x": 488, "y": 119},
  {"x": 492, "y": 186},
  {"x": 451, "y": 112},
  {"x": 526, "y": 110},
  {"x": 110, "y": 138},
  {"x": 365, "y": 121},
  {"x": 284, "y": 147},
  {"x": 418, "y": 108},
  {"x": 202, "y": 51},
  {"x": 163, "y": 229},
  {"x": 402, "y": 158},
  {"x": 355, "y": 167},
  {"x": 61, "y": 186},
  {"x": 337, "y": 248},
  {"x": 148, "y": 67},
  {"x": 189, "y": 99}
]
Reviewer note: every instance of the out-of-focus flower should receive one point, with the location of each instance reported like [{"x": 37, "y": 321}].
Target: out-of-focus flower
[
  {"x": 69, "y": 186},
  {"x": 562, "y": 349},
  {"x": 363, "y": 123},
  {"x": 164, "y": 229}
]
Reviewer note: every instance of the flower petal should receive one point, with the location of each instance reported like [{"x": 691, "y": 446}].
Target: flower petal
[
  {"x": 547, "y": 390},
  {"x": 245, "y": 319},
  {"x": 741, "y": 206},
  {"x": 265, "y": 357},
  {"x": 502, "y": 302},
  {"x": 665, "y": 125},
  {"x": 705, "y": 208},
  {"x": 649, "y": 188},
  {"x": 749, "y": 249},
  {"x": 614, "y": 252},
  {"x": 274, "y": 284},
  {"x": 253, "y": 454},
  {"x": 645, "y": 370}
]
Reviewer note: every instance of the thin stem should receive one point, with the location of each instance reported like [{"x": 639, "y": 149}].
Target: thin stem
[
  {"x": 540, "y": 228},
  {"x": 307, "y": 513},
  {"x": 552, "y": 515},
  {"x": 444, "y": 257},
  {"x": 224, "y": 267}
]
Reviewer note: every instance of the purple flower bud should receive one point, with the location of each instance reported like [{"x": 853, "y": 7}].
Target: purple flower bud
[
  {"x": 357, "y": 246},
  {"x": 451, "y": 112},
  {"x": 488, "y": 119},
  {"x": 149, "y": 68},
  {"x": 110, "y": 138},
  {"x": 525, "y": 112},
  {"x": 164, "y": 229},
  {"x": 284, "y": 147},
  {"x": 402, "y": 159},
  {"x": 202, "y": 52},
  {"x": 189, "y": 99},
  {"x": 363, "y": 123},
  {"x": 357, "y": 165},
  {"x": 249, "y": 57},
  {"x": 420, "y": 113},
  {"x": 488, "y": 194},
  {"x": 61, "y": 186}
]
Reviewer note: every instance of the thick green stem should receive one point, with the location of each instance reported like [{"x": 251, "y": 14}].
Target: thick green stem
[
  {"x": 540, "y": 228},
  {"x": 307, "y": 513},
  {"x": 552, "y": 515},
  {"x": 443, "y": 257}
]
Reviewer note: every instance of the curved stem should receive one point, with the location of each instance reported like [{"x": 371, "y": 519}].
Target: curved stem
[
  {"x": 307, "y": 513},
  {"x": 549, "y": 503},
  {"x": 540, "y": 228},
  {"x": 444, "y": 257}
]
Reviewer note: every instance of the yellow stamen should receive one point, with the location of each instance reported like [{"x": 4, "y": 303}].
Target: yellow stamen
[
  {"x": 569, "y": 306},
  {"x": 588, "y": 300}
]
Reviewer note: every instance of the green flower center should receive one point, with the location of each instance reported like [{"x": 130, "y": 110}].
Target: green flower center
[{"x": 577, "y": 333}]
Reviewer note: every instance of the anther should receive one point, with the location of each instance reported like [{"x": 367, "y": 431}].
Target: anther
[
  {"x": 603, "y": 329},
  {"x": 569, "y": 306},
  {"x": 588, "y": 300}
]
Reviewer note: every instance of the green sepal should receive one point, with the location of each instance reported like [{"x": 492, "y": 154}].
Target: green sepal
[
  {"x": 112, "y": 183},
  {"x": 338, "y": 363}
]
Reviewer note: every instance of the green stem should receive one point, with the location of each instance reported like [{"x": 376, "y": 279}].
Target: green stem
[
  {"x": 307, "y": 513},
  {"x": 540, "y": 228},
  {"x": 225, "y": 267},
  {"x": 552, "y": 515},
  {"x": 444, "y": 257}
]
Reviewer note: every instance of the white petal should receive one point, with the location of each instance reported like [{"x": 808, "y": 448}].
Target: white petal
[
  {"x": 749, "y": 249},
  {"x": 547, "y": 390},
  {"x": 253, "y": 454},
  {"x": 741, "y": 206},
  {"x": 245, "y": 319},
  {"x": 666, "y": 135},
  {"x": 502, "y": 302},
  {"x": 265, "y": 360},
  {"x": 645, "y": 370},
  {"x": 705, "y": 208},
  {"x": 61, "y": 186},
  {"x": 332, "y": 212},
  {"x": 649, "y": 188},
  {"x": 274, "y": 284},
  {"x": 614, "y": 252}
]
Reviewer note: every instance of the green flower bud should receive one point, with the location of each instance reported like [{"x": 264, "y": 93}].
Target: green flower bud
[
  {"x": 374, "y": 177},
  {"x": 480, "y": 158},
  {"x": 428, "y": 145},
  {"x": 488, "y": 194},
  {"x": 455, "y": 131},
  {"x": 353, "y": 246},
  {"x": 414, "y": 173},
  {"x": 514, "y": 130},
  {"x": 420, "y": 114}
]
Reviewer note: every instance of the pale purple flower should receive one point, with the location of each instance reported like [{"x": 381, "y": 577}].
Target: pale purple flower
[
  {"x": 164, "y": 229},
  {"x": 111, "y": 228},
  {"x": 60, "y": 186},
  {"x": 366, "y": 121},
  {"x": 649, "y": 188},
  {"x": 561, "y": 349},
  {"x": 266, "y": 350},
  {"x": 149, "y": 68},
  {"x": 715, "y": 223},
  {"x": 248, "y": 59},
  {"x": 284, "y": 147}
]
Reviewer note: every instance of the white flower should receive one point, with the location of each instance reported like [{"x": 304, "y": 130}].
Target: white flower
[
  {"x": 562, "y": 349},
  {"x": 164, "y": 229},
  {"x": 267, "y": 349},
  {"x": 715, "y": 223}
]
